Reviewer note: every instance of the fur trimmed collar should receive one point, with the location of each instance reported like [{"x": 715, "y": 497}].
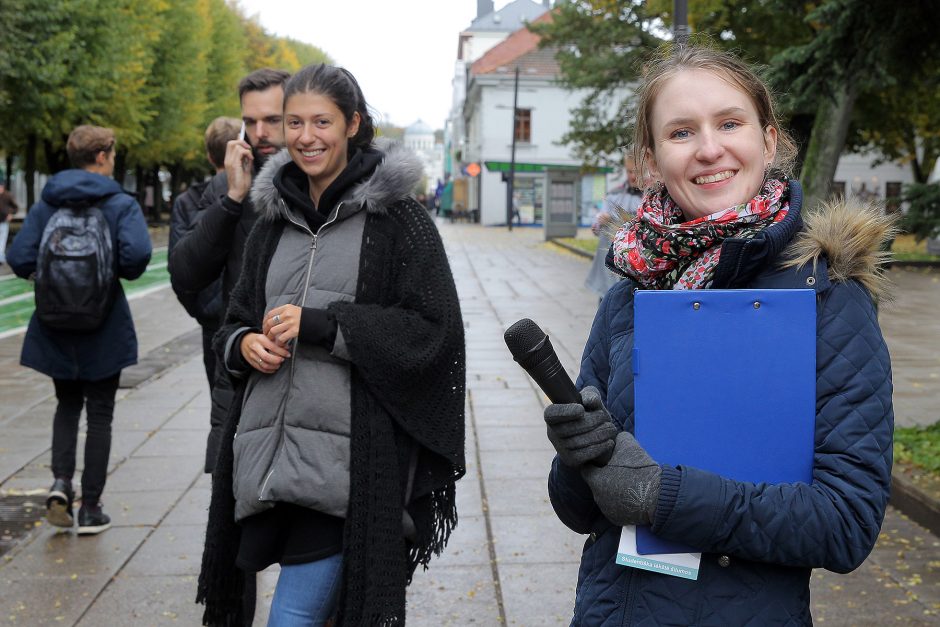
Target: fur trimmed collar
[
  {"x": 394, "y": 179},
  {"x": 852, "y": 236}
]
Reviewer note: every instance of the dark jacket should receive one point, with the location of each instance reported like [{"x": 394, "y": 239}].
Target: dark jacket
[
  {"x": 204, "y": 305},
  {"x": 105, "y": 351},
  {"x": 215, "y": 247},
  {"x": 759, "y": 542}
]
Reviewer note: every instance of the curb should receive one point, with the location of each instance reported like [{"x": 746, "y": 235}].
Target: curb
[
  {"x": 570, "y": 248},
  {"x": 914, "y": 502}
]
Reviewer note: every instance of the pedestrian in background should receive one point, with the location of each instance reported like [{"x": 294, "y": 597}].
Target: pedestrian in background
[
  {"x": 727, "y": 216},
  {"x": 204, "y": 305},
  {"x": 8, "y": 209},
  {"x": 85, "y": 365},
  {"x": 346, "y": 338},
  {"x": 619, "y": 205}
]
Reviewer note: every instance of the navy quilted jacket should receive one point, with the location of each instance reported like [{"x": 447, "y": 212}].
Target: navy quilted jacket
[{"x": 759, "y": 542}]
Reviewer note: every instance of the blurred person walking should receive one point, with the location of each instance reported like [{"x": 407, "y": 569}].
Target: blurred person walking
[
  {"x": 85, "y": 363},
  {"x": 619, "y": 205},
  {"x": 8, "y": 209}
]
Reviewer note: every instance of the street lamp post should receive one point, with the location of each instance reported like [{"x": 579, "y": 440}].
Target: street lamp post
[{"x": 680, "y": 25}]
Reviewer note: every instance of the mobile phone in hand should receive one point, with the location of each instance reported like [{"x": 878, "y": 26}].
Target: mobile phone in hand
[{"x": 241, "y": 137}]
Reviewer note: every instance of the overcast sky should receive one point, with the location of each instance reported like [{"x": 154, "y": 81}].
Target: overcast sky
[{"x": 401, "y": 52}]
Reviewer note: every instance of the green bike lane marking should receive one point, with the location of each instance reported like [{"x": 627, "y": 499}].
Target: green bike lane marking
[{"x": 16, "y": 295}]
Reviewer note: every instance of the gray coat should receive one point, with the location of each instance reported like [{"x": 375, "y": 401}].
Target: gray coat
[{"x": 293, "y": 437}]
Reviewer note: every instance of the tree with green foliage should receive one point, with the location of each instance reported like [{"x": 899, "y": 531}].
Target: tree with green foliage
[
  {"x": 821, "y": 56},
  {"x": 922, "y": 219},
  {"x": 156, "y": 71},
  {"x": 857, "y": 48},
  {"x": 600, "y": 45}
]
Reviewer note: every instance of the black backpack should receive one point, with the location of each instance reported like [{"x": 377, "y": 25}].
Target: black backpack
[{"x": 75, "y": 270}]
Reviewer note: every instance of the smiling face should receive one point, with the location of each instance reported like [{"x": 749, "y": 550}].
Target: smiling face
[
  {"x": 317, "y": 137},
  {"x": 708, "y": 145}
]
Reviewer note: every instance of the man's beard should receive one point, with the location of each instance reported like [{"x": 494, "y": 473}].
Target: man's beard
[{"x": 259, "y": 157}]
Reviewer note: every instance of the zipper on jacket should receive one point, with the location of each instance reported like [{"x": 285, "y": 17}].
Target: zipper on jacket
[{"x": 303, "y": 301}]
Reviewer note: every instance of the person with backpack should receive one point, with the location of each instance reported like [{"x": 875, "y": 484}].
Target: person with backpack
[{"x": 76, "y": 242}]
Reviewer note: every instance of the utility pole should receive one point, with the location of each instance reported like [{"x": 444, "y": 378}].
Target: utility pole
[
  {"x": 680, "y": 25},
  {"x": 511, "y": 175}
]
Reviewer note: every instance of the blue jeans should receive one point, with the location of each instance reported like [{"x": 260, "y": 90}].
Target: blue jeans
[{"x": 306, "y": 594}]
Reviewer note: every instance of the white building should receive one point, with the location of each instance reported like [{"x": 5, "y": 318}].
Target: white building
[
  {"x": 856, "y": 176},
  {"x": 419, "y": 137},
  {"x": 487, "y": 30},
  {"x": 549, "y": 183}
]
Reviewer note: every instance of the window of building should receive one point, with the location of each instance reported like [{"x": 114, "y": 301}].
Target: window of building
[
  {"x": 523, "y": 125},
  {"x": 893, "y": 196}
]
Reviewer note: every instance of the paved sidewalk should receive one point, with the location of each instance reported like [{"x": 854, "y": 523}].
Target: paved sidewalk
[{"x": 510, "y": 560}]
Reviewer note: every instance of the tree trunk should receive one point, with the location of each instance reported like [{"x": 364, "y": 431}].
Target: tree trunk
[
  {"x": 29, "y": 169},
  {"x": 826, "y": 143},
  {"x": 9, "y": 172},
  {"x": 56, "y": 160},
  {"x": 120, "y": 166}
]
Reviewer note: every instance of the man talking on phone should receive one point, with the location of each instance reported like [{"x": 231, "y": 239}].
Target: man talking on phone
[{"x": 215, "y": 247}]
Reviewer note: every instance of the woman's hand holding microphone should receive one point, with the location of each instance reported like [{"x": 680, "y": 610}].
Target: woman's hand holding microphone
[{"x": 625, "y": 488}]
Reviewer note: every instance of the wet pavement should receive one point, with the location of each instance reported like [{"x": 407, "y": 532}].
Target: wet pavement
[{"x": 509, "y": 562}]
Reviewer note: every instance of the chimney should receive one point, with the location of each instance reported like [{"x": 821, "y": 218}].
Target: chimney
[{"x": 484, "y": 7}]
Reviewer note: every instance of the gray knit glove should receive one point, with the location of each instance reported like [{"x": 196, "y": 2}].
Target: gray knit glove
[
  {"x": 627, "y": 488},
  {"x": 581, "y": 432}
]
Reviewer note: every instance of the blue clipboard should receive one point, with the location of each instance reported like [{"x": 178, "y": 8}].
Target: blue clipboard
[{"x": 725, "y": 381}]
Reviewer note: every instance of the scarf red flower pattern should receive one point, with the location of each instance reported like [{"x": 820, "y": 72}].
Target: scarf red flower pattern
[{"x": 660, "y": 251}]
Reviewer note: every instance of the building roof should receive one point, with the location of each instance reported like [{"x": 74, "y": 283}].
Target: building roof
[
  {"x": 519, "y": 49},
  {"x": 510, "y": 18},
  {"x": 419, "y": 128}
]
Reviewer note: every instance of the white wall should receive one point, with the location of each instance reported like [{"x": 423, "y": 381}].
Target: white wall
[
  {"x": 856, "y": 169},
  {"x": 491, "y": 127}
]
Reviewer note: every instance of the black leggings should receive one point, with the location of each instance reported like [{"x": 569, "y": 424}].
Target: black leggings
[{"x": 98, "y": 399}]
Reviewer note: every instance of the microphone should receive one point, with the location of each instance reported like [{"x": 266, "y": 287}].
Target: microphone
[{"x": 532, "y": 350}]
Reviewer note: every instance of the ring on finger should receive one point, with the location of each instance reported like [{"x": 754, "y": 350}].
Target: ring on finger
[
  {"x": 260, "y": 362},
  {"x": 277, "y": 318}
]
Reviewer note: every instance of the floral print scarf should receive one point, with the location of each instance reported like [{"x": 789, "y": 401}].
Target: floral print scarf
[{"x": 660, "y": 251}]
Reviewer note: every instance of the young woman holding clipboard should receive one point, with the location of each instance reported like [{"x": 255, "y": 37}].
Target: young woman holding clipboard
[{"x": 724, "y": 214}]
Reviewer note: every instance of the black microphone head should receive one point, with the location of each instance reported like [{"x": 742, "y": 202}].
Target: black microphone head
[{"x": 522, "y": 337}]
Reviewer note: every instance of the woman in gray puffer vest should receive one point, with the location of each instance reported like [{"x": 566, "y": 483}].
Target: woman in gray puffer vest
[{"x": 345, "y": 340}]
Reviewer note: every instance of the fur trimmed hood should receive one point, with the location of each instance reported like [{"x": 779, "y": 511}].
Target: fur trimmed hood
[
  {"x": 852, "y": 236},
  {"x": 394, "y": 179}
]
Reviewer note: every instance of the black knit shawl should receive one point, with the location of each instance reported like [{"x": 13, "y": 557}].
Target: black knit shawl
[{"x": 404, "y": 334}]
